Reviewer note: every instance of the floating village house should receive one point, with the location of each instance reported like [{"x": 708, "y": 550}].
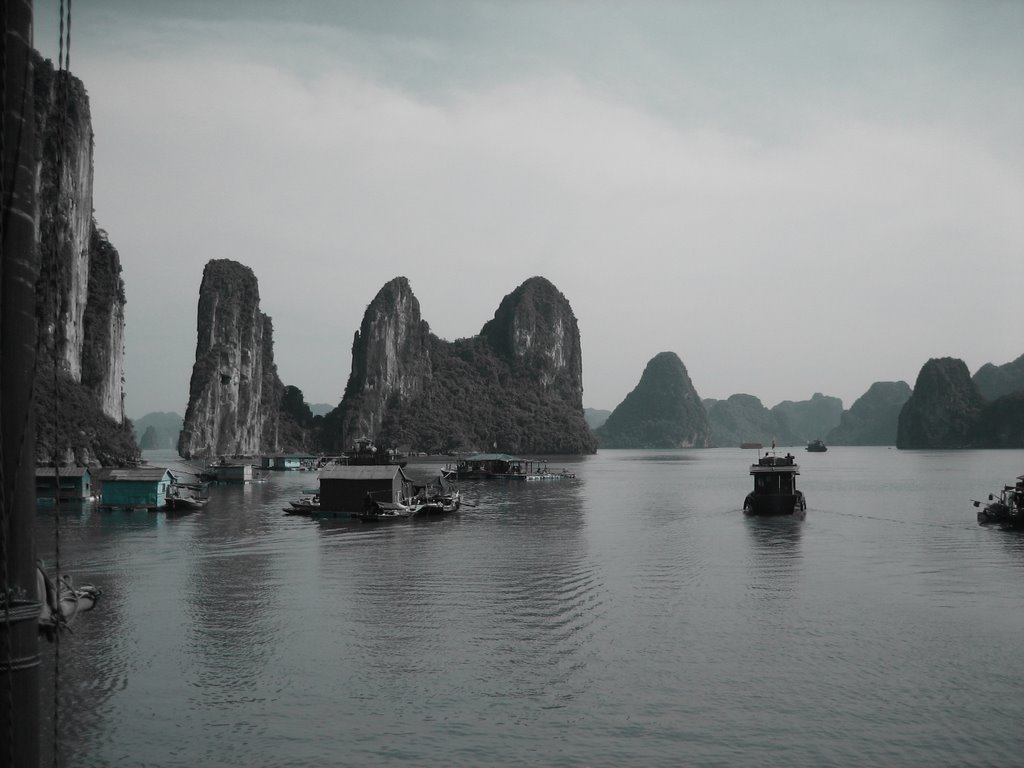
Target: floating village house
[
  {"x": 345, "y": 488},
  {"x": 232, "y": 473},
  {"x": 291, "y": 461},
  {"x": 136, "y": 487},
  {"x": 75, "y": 483}
]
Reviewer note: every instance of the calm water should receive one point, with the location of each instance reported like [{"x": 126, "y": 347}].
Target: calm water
[{"x": 631, "y": 617}]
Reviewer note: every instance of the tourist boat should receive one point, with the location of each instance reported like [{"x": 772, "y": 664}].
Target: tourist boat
[
  {"x": 1005, "y": 509},
  {"x": 775, "y": 490},
  {"x": 365, "y": 453},
  {"x": 183, "y": 498},
  {"x": 817, "y": 446},
  {"x": 504, "y": 466}
]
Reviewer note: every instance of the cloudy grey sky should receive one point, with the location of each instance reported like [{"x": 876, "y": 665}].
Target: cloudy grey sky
[{"x": 792, "y": 196}]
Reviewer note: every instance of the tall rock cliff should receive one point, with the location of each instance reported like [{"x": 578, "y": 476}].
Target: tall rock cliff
[
  {"x": 662, "y": 411},
  {"x": 80, "y": 296},
  {"x": 65, "y": 172},
  {"x": 390, "y": 355},
  {"x": 516, "y": 387},
  {"x": 944, "y": 408},
  {"x": 873, "y": 417},
  {"x": 235, "y": 393}
]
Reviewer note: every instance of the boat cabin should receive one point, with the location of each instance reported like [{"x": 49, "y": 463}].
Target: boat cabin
[
  {"x": 488, "y": 465},
  {"x": 75, "y": 483},
  {"x": 344, "y": 488},
  {"x": 775, "y": 491}
]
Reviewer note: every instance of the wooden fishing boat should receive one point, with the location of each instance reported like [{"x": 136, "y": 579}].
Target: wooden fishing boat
[
  {"x": 775, "y": 491},
  {"x": 1005, "y": 508}
]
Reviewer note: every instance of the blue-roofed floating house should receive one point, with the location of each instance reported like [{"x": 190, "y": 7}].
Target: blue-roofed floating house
[
  {"x": 134, "y": 487},
  {"x": 75, "y": 483}
]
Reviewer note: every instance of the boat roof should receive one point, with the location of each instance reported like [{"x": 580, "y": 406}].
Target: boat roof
[
  {"x": 770, "y": 464},
  {"x": 361, "y": 472},
  {"x": 137, "y": 474},
  {"x": 759, "y": 469},
  {"x": 493, "y": 457},
  {"x": 64, "y": 471}
]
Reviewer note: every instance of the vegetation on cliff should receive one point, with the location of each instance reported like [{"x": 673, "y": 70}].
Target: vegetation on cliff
[
  {"x": 162, "y": 429},
  {"x": 662, "y": 411},
  {"x": 806, "y": 420},
  {"x": 994, "y": 381},
  {"x": 517, "y": 387},
  {"x": 743, "y": 418},
  {"x": 944, "y": 408},
  {"x": 873, "y": 417},
  {"x": 71, "y": 428}
]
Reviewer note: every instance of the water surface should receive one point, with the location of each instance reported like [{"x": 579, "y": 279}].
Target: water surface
[{"x": 633, "y": 616}]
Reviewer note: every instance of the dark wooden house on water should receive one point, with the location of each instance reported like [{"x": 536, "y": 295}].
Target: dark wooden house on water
[
  {"x": 75, "y": 483},
  {"x": 345, "y": 488}
]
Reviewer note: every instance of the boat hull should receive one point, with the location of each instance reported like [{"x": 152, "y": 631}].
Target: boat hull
[{"x": 775, "y": 504}]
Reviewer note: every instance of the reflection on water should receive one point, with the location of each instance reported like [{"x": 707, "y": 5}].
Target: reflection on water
[{"x": 631, "y": 616}]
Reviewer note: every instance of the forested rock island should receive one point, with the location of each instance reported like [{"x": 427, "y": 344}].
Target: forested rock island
[{"x": 514, "y": 386}]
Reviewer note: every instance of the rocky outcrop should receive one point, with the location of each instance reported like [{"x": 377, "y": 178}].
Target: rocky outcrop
[
  {"x": 163, "y": 430},
  {"x": 65, "y": 173},
  {"x": 994, "y": 381},
  {"x": 235, "y": 393},
  {"x": 103, "y": 324},
  {"x": 663, "y": 411},
  {"x": 390, "y": 355},
  {"x": 1000, "y": 423},
  {"x": 943, "y": 410},
  {"x": 80, "y": 295},
  {"x": 807, "y": 420},
  {"x": 516, "y": 387},
  {"x": 873, "y": 417},
  {"x": 595, "y": 417},
  {"x": 743, "y": 418}
]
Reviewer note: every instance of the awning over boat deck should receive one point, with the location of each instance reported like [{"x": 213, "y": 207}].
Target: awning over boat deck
[{"x": 507, "y": 457}]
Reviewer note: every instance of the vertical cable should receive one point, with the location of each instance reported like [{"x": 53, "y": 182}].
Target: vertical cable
[{"x": 8, "y": 724}]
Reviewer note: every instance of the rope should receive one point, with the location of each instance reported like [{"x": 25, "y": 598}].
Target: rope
[
  {"x": 923, "y": 523},
  {"x": 4, "y": 516},
  {"x": 64, "y": 75}
]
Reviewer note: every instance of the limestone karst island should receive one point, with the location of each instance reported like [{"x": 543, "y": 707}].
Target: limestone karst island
[{"x": 515, "y": 385}]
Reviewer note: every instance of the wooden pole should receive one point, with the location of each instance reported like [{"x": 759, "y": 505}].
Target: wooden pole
[{"x": 19, "y": 268}]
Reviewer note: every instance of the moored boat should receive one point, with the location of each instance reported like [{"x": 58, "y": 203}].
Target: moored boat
[
  {"x": 1005, "y": 508},
  {"x": 441, "y": 504},
  {"x": 184, "y": 498},
  {"x": 775, "y": 491},
  {"x": 304, "y": 505},
  {"x": 817, "y": 446}
]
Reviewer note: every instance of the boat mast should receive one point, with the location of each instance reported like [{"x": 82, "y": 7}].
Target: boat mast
[{"x": 19, "y": 267}]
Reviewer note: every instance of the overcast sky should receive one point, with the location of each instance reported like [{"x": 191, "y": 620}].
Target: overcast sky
[{"x": 795, "y": 197}]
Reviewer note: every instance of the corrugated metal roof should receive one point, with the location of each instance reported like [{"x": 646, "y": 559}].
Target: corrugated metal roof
[
  {"x": 64, "y": 471},
  {"x": 492, "y": 457},
  {"x": 361, "y": 472},
  {"x": 136, "y": 474}
]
